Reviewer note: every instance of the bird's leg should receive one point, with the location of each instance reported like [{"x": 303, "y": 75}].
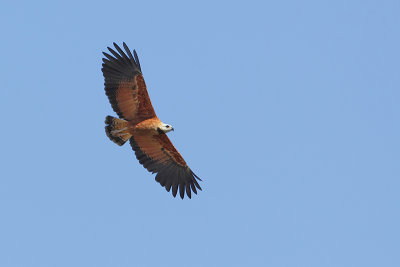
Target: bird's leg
[{"x": 118, "y": 132}]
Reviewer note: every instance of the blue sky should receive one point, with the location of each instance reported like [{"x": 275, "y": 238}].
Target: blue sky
[{"x": 288, "y": 111}]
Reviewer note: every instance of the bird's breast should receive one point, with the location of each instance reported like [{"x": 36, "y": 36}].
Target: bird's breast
[{"x": 147, "y": 126}]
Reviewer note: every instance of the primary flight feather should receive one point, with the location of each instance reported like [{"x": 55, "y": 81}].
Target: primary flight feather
[{"x": 138, "y": 123}]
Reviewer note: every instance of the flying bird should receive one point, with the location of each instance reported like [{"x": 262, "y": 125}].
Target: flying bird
[{"x": 138, "y": 123}]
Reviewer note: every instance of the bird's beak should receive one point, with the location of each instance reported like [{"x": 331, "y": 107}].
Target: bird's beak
[{"x": 172, "y": 129}]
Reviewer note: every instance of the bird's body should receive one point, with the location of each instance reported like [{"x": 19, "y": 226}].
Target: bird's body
[
  {"x": 138, "y": 123},
  {"x": 149, "y": 126}
]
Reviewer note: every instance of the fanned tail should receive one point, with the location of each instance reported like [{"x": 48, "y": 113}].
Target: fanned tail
[{"x": 117, "y": 130}]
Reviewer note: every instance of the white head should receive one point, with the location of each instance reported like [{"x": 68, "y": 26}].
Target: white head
[{"x": 165, "y": 128}]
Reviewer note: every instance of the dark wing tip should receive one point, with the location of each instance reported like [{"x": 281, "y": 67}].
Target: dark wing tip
[
  {"x": 137, "y": 59},
  {"x": 179, "y": 179},
  {"x": 174, "y": 189},
  {"x": 188, "y": 191},
  {"x": 122, "y": 62},
  {"x": 182, "y": 180},
  {"x": 198, "y": 178},
  {"x": 182, "y": 190}
]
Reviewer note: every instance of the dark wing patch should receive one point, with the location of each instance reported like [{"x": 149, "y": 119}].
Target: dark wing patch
[{"x": 158, "y": 158}]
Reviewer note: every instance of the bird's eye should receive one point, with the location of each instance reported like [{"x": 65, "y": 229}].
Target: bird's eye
[{"x": 167, "y": 126}]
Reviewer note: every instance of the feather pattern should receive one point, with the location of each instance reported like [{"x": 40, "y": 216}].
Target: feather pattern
[
  {"x": 159, "y": 156},
  {"x": 125, "y": 86}
]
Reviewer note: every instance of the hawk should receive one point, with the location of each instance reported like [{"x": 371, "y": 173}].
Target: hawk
[{"x": 138, "y": 123}]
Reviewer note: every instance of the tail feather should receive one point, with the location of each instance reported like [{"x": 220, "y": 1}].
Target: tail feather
[{"x": 117, "y": 130}]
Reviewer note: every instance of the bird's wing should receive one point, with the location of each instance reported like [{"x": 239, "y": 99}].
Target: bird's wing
[
  {"x": 125, "y": 86},
  {"x": 158, "y": 155}
]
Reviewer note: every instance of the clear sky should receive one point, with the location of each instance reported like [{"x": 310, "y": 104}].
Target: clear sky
[{"x": 288, "y": 110}]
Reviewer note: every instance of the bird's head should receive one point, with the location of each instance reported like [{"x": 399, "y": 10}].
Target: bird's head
[{"x": 165, "y": 128}]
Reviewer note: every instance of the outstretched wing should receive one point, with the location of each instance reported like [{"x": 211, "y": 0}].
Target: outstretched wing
[
  {"x": 158, "y": 155},
  {"x": 125, "y": 86}
]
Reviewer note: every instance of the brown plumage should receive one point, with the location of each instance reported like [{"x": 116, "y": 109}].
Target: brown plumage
[{"x": 138, "y": 123}]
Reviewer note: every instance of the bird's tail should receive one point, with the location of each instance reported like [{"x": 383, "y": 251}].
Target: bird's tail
[{"x": 117, "y": 130}]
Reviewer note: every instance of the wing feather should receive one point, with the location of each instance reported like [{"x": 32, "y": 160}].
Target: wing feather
[
  {"x": 130, "y": 54},
  {"x": 125, "y": 86},
  {"x": 158, "y": 155}
]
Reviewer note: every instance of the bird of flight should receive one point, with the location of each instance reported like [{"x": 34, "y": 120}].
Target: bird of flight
[{"x": 138, "y": 123}]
